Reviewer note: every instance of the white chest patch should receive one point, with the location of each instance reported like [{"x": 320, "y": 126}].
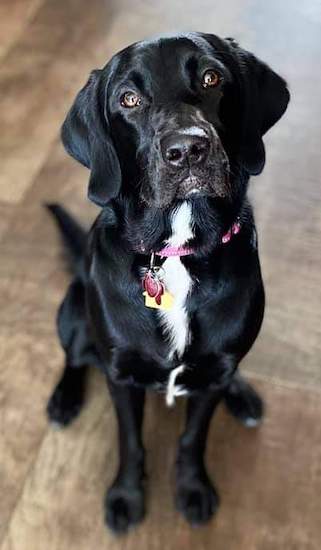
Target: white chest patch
[{"x": 178, "y": 282}]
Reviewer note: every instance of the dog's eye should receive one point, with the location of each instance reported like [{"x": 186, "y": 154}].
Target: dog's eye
[
  {"x": 130, "y": 100},
  {"x": 211, "y": 79}
]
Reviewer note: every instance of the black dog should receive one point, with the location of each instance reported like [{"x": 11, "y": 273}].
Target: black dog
[{"x": 167, "y": 293}]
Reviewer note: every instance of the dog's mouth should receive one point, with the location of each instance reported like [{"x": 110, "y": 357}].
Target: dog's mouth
[
  {"x": 193, "y": 186},
  {"x": 212, "y": 181}
]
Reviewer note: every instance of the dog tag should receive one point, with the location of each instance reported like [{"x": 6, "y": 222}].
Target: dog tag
[
  {"x": 166, "y": 301},
  {"x": 152, "y": 284},
  {"x": 155, "y": 293}
]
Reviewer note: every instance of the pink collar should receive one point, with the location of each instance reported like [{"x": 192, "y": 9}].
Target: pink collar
[{"x": 168, "y": 251}]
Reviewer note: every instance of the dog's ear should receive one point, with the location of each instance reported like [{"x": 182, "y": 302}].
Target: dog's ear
[
  {"x": 264, "y": 99},
  {"x": 86, "y": 137}
]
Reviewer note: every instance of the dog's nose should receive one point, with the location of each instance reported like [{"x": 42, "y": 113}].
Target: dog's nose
[{"x": 180, "y": 150}]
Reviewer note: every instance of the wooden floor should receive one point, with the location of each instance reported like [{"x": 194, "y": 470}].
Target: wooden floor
[{"x": 52, "y": 483}]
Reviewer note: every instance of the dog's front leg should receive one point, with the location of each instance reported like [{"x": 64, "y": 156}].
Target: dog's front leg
[
  {"x": 196, "y": 498},
  {"x": 125, "y": 498}
]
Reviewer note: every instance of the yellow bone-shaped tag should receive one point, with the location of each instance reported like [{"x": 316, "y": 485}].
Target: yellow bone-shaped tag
[{"x": 166, "y": 301}]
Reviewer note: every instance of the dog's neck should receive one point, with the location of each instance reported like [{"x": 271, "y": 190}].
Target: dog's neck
[
  {"x": 189, "y": 227},
  {"x": 181, "y": 232},
  {"x": 183, "y": 250},
  {"x": 170, "y": 251}
]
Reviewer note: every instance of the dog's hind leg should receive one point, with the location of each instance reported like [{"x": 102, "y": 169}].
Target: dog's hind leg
[
  {"x": 243, "y": 402},
  {"x": 68, "y": 397}
]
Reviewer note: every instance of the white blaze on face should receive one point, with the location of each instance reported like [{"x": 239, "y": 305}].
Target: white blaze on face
[
  {"x": 193, "y": 131},
  {"x": 178, "y": 282}
]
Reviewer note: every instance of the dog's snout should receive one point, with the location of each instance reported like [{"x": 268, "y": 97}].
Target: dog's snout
[{"x": 180, "y": 150}]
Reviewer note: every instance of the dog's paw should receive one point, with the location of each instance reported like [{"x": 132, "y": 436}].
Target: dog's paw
[
  {"x": 124, "y": 508},
  {"x": 64, "y": 406},
  {"x": 244, "y": 403},
  {"x": 197, "y": 500}
]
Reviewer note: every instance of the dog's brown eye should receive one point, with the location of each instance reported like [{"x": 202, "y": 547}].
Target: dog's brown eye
[
  {"x": 210, "y": 79},
  {"x": 130, "y": 100}
]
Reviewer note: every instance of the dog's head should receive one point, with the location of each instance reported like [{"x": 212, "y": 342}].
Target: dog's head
[{"x": 175, "y": 118}]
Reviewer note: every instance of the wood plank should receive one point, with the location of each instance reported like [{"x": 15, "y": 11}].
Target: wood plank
[
  {"x": 15, "y": 15},
  {"x": 39, "y": 78},
  {"x": 6, "y": 216},
  {"x": 269, "y": 499},
  {"x": 27, "y": 374},
  {"x": 60, "y": 180}
]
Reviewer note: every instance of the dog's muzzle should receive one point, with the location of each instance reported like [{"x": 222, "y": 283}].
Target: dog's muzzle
[{"x": 190, "y": 161}]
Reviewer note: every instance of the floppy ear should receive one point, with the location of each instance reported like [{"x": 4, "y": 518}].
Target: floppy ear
[
  {"x": 86, "y": 137},
  {"x": 265, "y": 98}
]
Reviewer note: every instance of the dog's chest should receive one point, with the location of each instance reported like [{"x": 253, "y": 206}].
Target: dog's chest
[{"x": 179, "y": 283}]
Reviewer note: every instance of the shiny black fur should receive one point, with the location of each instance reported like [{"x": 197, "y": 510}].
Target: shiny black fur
[{"x": 103, "y": 320}]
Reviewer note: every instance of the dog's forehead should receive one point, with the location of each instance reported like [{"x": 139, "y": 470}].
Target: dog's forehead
[
  {"x": 164, "y": 50},
  {"x": 177, "y": 41},
  {"x": 165, "y": 65}
]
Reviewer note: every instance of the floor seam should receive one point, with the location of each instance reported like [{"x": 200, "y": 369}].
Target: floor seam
[{"x": 31, "y": 467}]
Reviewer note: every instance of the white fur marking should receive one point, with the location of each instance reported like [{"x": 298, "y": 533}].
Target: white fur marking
[
  {"x": 173, "y": 390},
  {"x": 181, "y": 225},
  {"x": 193, "y": 131},
  {"x": 178, "y": 282}
]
